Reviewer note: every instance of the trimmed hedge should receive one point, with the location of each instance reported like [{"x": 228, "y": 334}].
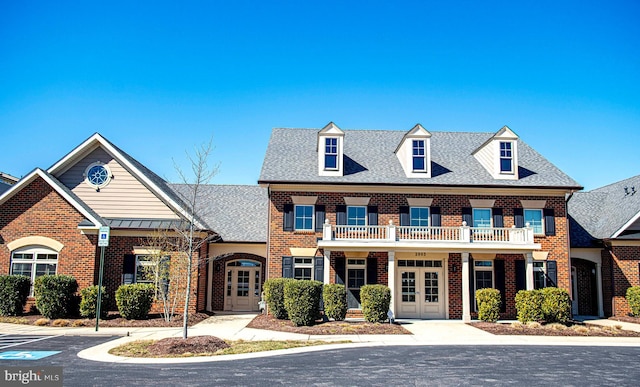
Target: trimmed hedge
[
  {"x": 556, "y": 305},
  {"x": 375, "y": 301},
  {"x": 55, "y": 295},
  {"x": 14, "y": 290},
  {"x": 335, "y": 301},
  {"x": 274, "y": 296},
  {"x": 89, "y": 302},
  {"x": 633, "y": 298},
  {"x": 302, "y": 300},
  {"x": 488, "y": 304},
  {"x": 529, "y": 305},
  {"x": 134, "y": 301}
]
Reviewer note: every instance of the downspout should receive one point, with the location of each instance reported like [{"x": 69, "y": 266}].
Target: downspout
[{"x": 566, "y": 211}]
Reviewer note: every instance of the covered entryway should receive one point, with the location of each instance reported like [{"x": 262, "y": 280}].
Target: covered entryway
[
  {"x": 243, "y": 286},
  {"x": 421, "y": 286},
  {"x": 585, "y": 290}
]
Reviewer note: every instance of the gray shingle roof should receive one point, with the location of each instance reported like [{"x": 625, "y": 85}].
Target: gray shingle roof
[
  {"x": 238, "y": 213},
  {"x": 603, "y": 211},
  {"x": 370, "y": 159}
]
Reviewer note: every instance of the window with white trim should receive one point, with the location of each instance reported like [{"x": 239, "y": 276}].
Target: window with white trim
[
  {"x": 482, "y": 217},
  {"x": 535, "y": 219},
  {"x": 331, "y": 153},
  {"x": 151, "y": 269},
  {"x": 303, "y": 215},
  {"x": 356, "y": 215},
  {"x": 419, "y": 156},
  {"x": 506, "y": 157},
  {"x": 33, "y": 262},
  {"x": 539, "y": 275},
  {"x": 483, "y": 276},
  {"x": 419, "y": 216},
  {"x": 303, "y": 268},
  {"x": 356, "y": 279}
]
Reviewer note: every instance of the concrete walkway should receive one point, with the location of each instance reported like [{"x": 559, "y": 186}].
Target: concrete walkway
[{"x": 234, "y": 327}]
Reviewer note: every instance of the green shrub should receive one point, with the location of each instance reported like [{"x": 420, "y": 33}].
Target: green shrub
[
  {"x": 529, "y": 305},
  {"x": 134, "y": 301},
  {"x": 556, "y": 305},
  {"x": 302, "y": 301},
  {"x": 89, "y": 302},
  {"x": 633, "y": 298},
  {"x": 375, "y": 301},
  {"x": 55, "y": 295},
  {"x": 14, "y": 290},
  {"x": 335, "y": 301},
  {"x": 488, "y": 304},
  {"x": 274, "y": 296}
]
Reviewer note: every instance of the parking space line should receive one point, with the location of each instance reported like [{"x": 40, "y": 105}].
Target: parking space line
[{"x": 18, "y": 340}]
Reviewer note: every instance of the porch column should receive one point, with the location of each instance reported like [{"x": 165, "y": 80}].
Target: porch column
[
  {"x": 599, "y": 289},
  {"x": 327, "y": 266},
  {"x": 529, "y": 271},
  {"x": 466, "y": 302},
  {"x": 391, "y": 279}
]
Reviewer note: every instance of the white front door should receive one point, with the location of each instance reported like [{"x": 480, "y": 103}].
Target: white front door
[
  {"x": 242, "y": 288},
  {"x": 421, "y": 293}
]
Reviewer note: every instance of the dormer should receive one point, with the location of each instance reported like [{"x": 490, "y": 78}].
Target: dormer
[
  {"x": 414, "y": 152},
  {"x": 499, "y": 155},
  {"x": 330, "y": 151}
]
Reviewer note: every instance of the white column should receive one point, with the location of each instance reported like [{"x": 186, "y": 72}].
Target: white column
[
  {"x": 529, "y": 271},
  {"x": 599, "y": 287},
  {"x": 466, "y": 302},
  {"x": 327, "y": 266},
  {"x": 391, "y": 274}
]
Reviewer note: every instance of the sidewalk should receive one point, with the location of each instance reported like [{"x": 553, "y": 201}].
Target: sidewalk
[{"x": 233, "y": 327}]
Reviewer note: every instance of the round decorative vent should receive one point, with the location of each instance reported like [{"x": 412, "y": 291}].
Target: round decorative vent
[{"x": 98, "y": 175}]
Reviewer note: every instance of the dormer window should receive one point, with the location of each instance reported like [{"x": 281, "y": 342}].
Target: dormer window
[
  {"x": 331, "y": 153},
  {"x": 419, "y": 156},
  {"x": 506, "y": 157}
]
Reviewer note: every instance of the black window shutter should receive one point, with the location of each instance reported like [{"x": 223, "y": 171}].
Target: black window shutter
[
  {"x": 521, "y": 275},
  {"x": 498, "y": 220},
  {"x": 405, "y": 220},
  {"x": 287, "y": 267},
  {"x": 318, "y": 268},
  {"x": 518, "y": 217},
  {"x": 372, "y": 214},
  {"x": 372, "y": 271},
  {"x": 287, "y": 217},
  {"x": 340, "y": 270},
  {"x": 549, "y": 222},
  {"x": 341, "y": 214},
  {"x": 128, "y": 269},
  {"x": 320, "y": 214},
  {"x": 472, "y": 285},
  {"x": 500, "y": 282},
  {"x": 467, "y": 216},
  {"x": 436, "y": 218},
  {"x": 552, "y": 274}
]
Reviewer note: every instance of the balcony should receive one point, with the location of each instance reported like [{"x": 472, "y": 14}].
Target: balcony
[{"x": 463, "y": 237}]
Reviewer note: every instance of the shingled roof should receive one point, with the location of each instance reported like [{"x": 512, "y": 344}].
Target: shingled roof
[
  {"x": 369, "y": 158},
  {"x": 604, "y": 212}
]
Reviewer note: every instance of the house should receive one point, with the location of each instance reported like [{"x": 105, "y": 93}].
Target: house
[
  {"x": 49, "y": 222},
  {"x": 605, "y": 247},
  {"x": 432, "y": 215}
]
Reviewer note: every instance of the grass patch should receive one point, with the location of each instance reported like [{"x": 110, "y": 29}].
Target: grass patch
[
  {"x": 140, "y": 348},
  {"x": 14, "y": 320}
]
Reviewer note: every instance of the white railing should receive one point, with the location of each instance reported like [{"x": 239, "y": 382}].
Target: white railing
[{"x": 393, "y": 233}]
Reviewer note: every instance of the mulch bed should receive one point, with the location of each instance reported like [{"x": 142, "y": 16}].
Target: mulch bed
[
  {"x": 629, "y": 319},
  {"x": 180, "y": 346},
  {"x": 552, "y": 330},
  {"x": 115, "y": 320},
  {"x": 269, "y": 322}
]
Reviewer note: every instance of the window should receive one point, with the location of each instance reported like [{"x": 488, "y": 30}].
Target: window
[
  {"x": 506, "y": 157},
  {"x": 483, "y": 272},
  {"x": 331, "y": 153},
  {"x": 33, "y": 262},
  {"x": 534, "y": 218},
  {"x": 356, "y": 216},
  {"x": 304, "y": 217},
  {"x": 482, "y": 217},
  {"x": 539, "y": 275},
  {"x": 355, "y": 280},
  {"x": 146, "y": 269},
  {"x": 419, "y": 216},
  {"x": 97, "y": 175},
  {"x": 419, "y": 158},
  {"x": 303, "y": 268}
]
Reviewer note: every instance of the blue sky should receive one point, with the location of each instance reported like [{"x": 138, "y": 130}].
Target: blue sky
[{"x": 158, "y": 78}]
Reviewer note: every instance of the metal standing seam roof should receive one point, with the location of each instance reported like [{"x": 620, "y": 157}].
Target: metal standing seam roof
[
  {"x": 604, "y": 211},
  {"x": 369, "y": 158}
]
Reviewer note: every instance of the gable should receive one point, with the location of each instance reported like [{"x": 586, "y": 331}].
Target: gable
[{"x": 123, "y": 197}]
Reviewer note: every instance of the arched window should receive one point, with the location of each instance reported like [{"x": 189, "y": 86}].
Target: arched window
[{"x": 34, "y": 261}]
